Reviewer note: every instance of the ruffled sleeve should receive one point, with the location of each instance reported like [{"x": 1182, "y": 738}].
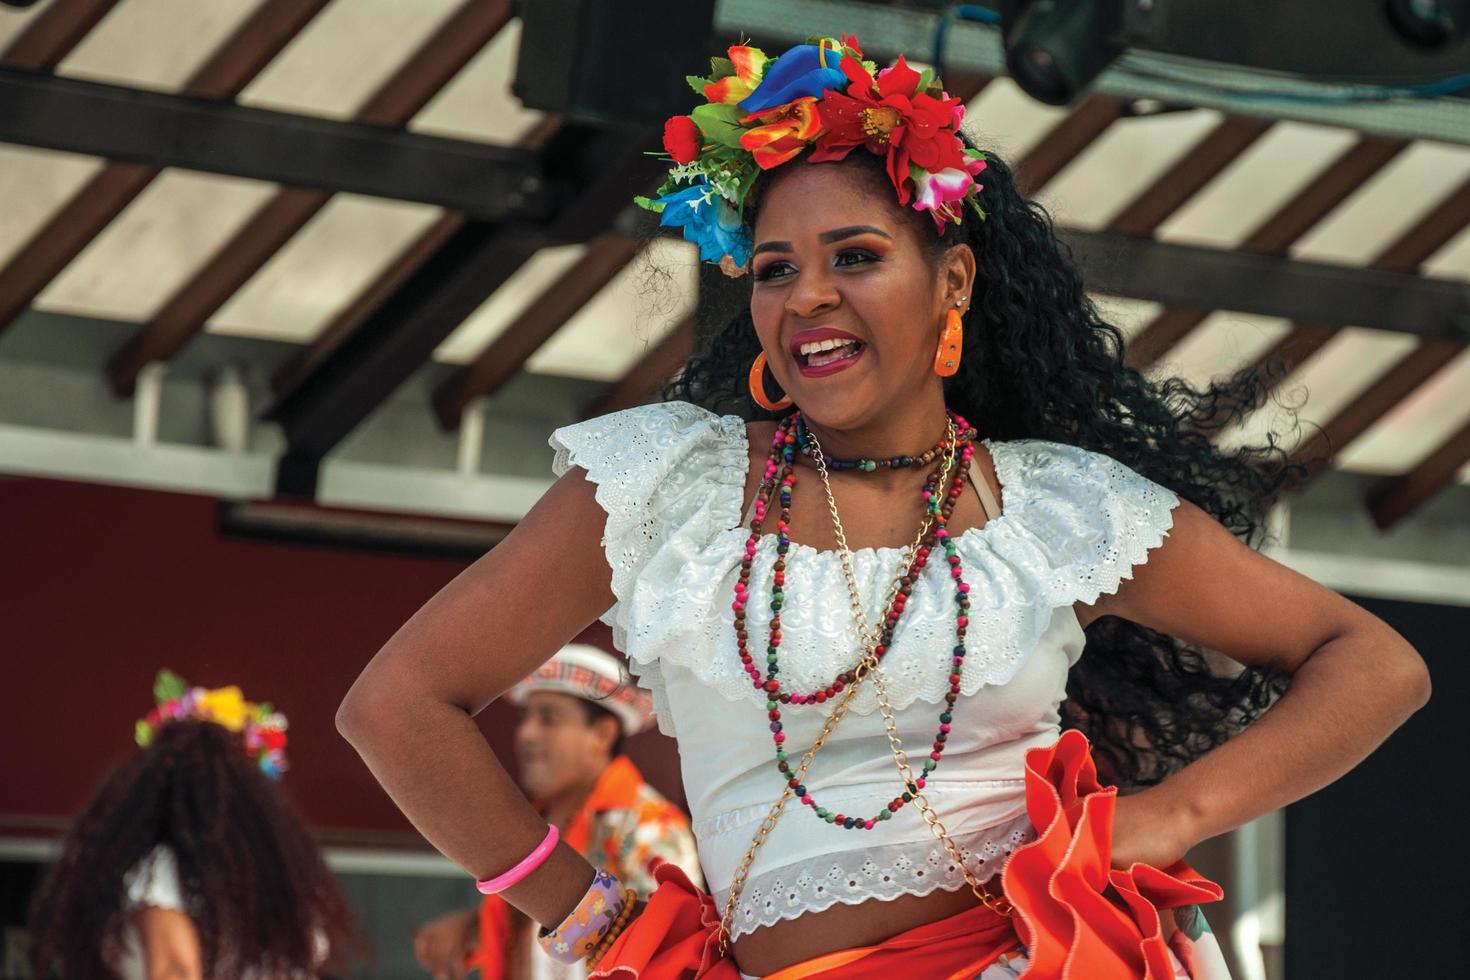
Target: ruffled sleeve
[
  {"x": 1080, "y": 516},
  {"x": 670, "y": 477}
]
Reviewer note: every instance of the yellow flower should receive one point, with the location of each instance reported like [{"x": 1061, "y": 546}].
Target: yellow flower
[{"x": 225, "y": 706}]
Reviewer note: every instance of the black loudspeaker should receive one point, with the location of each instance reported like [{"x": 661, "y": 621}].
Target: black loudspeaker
[
  {"x": 612, "y": 62},
  {"x": 1376, "y": 863}
]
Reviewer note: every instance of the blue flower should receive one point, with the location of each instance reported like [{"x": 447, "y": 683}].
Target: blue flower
[
  {"x": 708, "y": 221},
  {"x": 804, "y": 70}
]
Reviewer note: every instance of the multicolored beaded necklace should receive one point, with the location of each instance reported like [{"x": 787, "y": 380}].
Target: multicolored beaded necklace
[{"x": 939, "y": 502}]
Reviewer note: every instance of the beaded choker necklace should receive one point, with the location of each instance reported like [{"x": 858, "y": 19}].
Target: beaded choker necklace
[
  {"x": 939, "y": 501},
  {"x": 805, "y": 443}
]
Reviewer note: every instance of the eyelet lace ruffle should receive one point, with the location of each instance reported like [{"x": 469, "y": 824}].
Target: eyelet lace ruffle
[
  {"x": 671, "y": 478},
  {"x": 885, "y": 872}
]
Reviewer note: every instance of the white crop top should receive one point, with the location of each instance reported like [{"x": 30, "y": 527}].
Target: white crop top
[{"x": 671, "y": 478}]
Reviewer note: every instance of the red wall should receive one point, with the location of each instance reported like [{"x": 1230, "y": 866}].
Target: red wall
[{"x": 101, "y": 586}]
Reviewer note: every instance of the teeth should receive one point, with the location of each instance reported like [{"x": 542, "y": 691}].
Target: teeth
[{"x": 815, "y": 348}]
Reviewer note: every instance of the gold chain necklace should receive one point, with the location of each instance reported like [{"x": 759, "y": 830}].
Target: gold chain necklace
[
  {"x": 867, "y": 663},
  {"x": 900, "y": 757}
]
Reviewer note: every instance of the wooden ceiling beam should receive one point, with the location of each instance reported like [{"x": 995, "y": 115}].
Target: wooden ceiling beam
[
  {"x": 463, "y": 35},
  {"x": 1066, "y": 140},
  {"x": 505, "y": 356},
  {"x": 1414, "y": 489},
  {"x": 1219, "y": 148},
  {"x": 92, "y": 208},
  {"x": 1405, "y": 255},
  {"x": 1380, "y": 398},
  {"x": 57, "y": 29},
  {"x": 1334, "y": 184},
  {"x": 645, "y": 378}
]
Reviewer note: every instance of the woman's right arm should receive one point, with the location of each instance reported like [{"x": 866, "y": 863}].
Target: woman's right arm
[{"x": 411, "y": 713}]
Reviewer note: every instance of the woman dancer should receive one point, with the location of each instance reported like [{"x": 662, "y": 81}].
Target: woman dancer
[
  {"x": 188, "y": 862},
  {"x": 959, "y": 525}
]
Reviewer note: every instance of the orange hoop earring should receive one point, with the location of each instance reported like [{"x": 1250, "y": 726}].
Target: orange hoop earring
[
  {"x": 757, "y": 383},
  {"x": 951, "y": 339}
]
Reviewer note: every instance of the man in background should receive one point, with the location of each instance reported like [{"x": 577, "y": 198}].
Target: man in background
[{"x": 575, "y": 712}]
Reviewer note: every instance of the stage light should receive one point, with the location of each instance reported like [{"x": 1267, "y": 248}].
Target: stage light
[
  {"x": 1055, "y": 48},
  {"x": 1430, "y": 23}
]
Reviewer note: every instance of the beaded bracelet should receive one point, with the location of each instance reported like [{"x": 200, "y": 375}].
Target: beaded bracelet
[
  {"x": 630, "y": 900},
  {"x": 581, "y": 932}
]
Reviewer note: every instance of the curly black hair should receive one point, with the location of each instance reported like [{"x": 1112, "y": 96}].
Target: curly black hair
[
  {"x": 1040, "y": 362},
  {"x": 253, "y": 881}
]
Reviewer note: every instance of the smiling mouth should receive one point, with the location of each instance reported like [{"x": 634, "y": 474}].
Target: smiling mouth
[{"x": 828, "y": 352}]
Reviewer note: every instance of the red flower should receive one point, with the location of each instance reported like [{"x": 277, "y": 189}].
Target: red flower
[
  {"x": 890, "y": 116},
  {"x": 681, "y": 139}
]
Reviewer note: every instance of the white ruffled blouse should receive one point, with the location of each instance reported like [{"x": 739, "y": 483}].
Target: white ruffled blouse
[{"x": 671, "y": 478}]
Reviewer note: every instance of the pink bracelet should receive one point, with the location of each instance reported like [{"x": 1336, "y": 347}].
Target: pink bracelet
[{"x": 529, "y": 863}]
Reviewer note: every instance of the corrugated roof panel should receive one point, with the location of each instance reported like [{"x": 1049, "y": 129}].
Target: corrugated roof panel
[
  {"x": 478, "y": 104},
  {"x": 631, "y": 313},
  {"x": 344, "y": 55},
  {"x": 1388, "y": 205},
  {"x": 1275, "y": 168},
  {"x": 155, "y": 44},
  {"x": 1122, "y": 163},
  {"x": 323, "y": 268},
  {"x": 155, "y": 245},
  {"x": 489, "y": 321},
  {"x": 33, "y": 185}
]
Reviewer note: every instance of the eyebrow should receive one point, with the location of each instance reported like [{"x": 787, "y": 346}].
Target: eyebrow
[{"x": 826, "y": 238}]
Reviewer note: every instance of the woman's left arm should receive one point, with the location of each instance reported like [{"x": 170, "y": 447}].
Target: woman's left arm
[{"x": 1353, "y": 681}]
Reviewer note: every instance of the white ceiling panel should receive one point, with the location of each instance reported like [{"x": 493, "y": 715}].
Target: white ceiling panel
[
  {"x": 1404, "y": 436},
  {"x": 1387, "y": 205},
  {"x": 345, "y": 54},
  {"x": 1452, "y": 261},
  {"x": 13, "y": 22},
  {"x": 1267, "y": 175},
  {"x": 507, "y": 302},
  {"x": 1128, "y": 315},
  {"x": 478, "y": 104},
  {"x": 1224, "y": 342},
  {"x": 33, "y": 185},
  {"x": 155, "y": 245},
  {"x": 631, "y": 314},
  {"x": 1120, "y": 164},
  {"x": 323, "y": 268},
  {"x": 155, "y": 44},
  {"x": 1007, "y": 120},
  {"x": 1321, "y": 387}
]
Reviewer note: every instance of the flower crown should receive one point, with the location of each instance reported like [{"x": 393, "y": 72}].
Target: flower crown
[
  {"x": 820, "y": 96},
  {"x": 263, "y": 727}
]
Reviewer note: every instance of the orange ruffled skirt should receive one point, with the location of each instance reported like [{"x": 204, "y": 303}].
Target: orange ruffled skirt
[{"x": 1075, "y": 915}]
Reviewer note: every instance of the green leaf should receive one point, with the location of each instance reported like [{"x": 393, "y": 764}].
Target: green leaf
[
  {"x": 720, "y": 68},
  {"x": 168, "y": 686},
  {"x": 697, "y": 83},
  {"x": 719, "y": 123},
  {"x": 142, "y": 734},
  {"x": 649, "y": 204}
]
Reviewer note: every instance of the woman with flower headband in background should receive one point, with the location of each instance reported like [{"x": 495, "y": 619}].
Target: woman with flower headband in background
[
  {"x": 188, "y": 862},
  {"x": 904, "y": 517}
]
